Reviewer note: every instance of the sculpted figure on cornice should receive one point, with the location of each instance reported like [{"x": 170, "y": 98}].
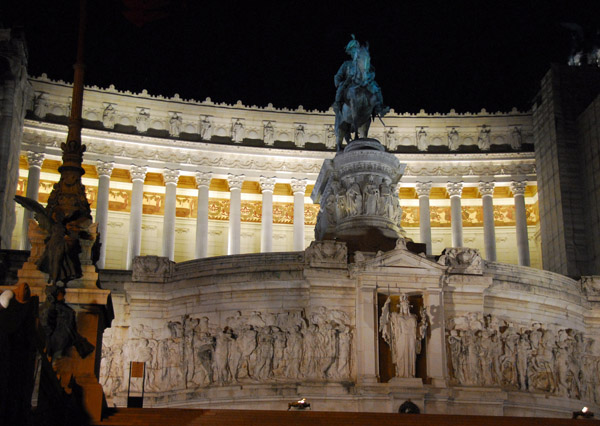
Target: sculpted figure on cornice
[
  {"x": 484, "y": 139},
  {"x": 206, "y": 128},
  {"x": 299, "y": 136},
  {"x": 321, "y": 252},
  {"x": 152, "y": 268},
  {"x": 329, "y": 136},
  {"x": 392, "y": 139},
  {"x": 248, "y": 348},
  {"x": 422, "y": 140},
  {"x": 516, "y": 138},
  {"x": 141, "y": 120},
  {"x": 175, "y": 122},
  {"x": 237, "y": 131},
  {"x": 108, "y": 116},
  {"x": 268, "y": 134},
  {"x": 488, "y": 351},
  {"x": 453, "y": 139},
  {"x": 40, "y": 104},
  {"x": 462, "y": 260}
]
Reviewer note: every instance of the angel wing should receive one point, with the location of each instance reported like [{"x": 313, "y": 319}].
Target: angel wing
[
  {"x": 384, "y": 321},
  {"x": 38, "y": 210}
]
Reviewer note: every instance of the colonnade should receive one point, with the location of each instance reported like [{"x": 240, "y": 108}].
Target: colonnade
[
  {"x": 486, "y": 189},
  {"x": 267, "y": 185}
]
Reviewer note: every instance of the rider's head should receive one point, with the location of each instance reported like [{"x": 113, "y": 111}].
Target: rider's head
[{"x": 352, "y": 46}]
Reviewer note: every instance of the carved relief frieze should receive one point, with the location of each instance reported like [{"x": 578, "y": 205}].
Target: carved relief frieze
[
  {"x": 535, "y": 357},
  {"x": 193, "y": 352}
]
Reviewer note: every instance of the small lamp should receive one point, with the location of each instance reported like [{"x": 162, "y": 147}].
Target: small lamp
[
  {"x": 585, "y": 413},
  {"x": 299, "y": 405}
]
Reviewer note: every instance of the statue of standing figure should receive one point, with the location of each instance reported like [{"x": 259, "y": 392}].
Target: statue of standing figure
[
  {"x": 401, "y": 331},
  {"x": 358, "y": 97}
]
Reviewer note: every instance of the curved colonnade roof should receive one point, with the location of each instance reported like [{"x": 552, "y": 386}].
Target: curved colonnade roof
[{"x": 128, "y": 128}]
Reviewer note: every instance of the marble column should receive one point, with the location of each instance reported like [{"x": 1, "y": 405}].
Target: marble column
[
  {"x": 518, "y": 189},
  {"x": 138, "y": 174},
  {"x": 436, "y": 370},
  {"x": 299, "y": 189},
  {"x": 423, "y": 189},
  {"x": 104, "y": 171},
  {"x": 235, "y": 217},
  {"x": 455, "y": 191},
  {"x": 35, "y": 160},
  {"x": 203, "y": 184},
  {"x": 171, "y": 177},
  {"x": 366, "y": 333},
  {"x": 486, "y": 189},
  {"x": 267, "y": 184}
]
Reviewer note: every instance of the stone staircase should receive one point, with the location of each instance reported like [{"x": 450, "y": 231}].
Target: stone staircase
[{"x": 190, "y": 417}]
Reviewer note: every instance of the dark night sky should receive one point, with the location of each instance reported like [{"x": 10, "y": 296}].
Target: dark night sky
[{"x": 431, "y": 55}]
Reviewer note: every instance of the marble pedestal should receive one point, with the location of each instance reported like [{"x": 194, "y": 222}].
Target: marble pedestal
[{"x": 357, "y": 191}]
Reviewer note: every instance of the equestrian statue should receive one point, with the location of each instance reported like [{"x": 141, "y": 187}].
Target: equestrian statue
[{"x": 358, "y": 98}]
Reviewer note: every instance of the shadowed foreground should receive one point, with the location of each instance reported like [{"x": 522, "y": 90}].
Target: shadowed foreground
[{"x": 189, "y": 417}]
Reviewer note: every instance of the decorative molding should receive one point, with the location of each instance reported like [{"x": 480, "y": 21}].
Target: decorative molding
[
  {"x": 104, "y": 168},
  {"x": 486, "y": 188},
  {"x": 235, "y": 181},
  {"x": 423, "y": 189},
  {"x": 518, "y": 187},
  {"x": 35, "y": 159},
  {"x": 138, "y": 172},
  {"x": 170, "y": 176},
  {"x": 454, "y": 189},
  {"x": 267, "y": 183},
  {"x": 298, "y": 185},
  {"x": 203, "y": 179}
]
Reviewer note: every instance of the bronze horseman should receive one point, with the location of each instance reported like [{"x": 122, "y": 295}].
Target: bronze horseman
[{"x": 358, "y": 97}]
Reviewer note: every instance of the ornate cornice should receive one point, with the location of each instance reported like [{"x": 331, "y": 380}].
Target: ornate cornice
[
  {"x": 253, "y": 162},
  {"x": 204, "y": 120}
]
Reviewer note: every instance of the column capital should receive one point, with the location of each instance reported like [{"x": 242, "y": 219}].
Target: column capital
[
  {"x": 170, "y": 176},
  {"x": 518, "y": 187},
  {"x": 423, "y": 189},
  {"x": 454, "y": 188},
  {"x": 203, "y": 179},
  {"x": 104, "y": 168},
  {"x": 267, "y": 183},
  {"x": 138, "y": 172},
  {"x": 486, "y": 188},
  {"x": 298, "y": 185},
  {"x": 235, "y": 181},
  {"x": 35, "y": 159}
]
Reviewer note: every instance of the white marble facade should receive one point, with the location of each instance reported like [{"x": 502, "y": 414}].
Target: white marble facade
[
  {"x": 155, "y": 133},
  {"x": 260, "y": 330}
]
